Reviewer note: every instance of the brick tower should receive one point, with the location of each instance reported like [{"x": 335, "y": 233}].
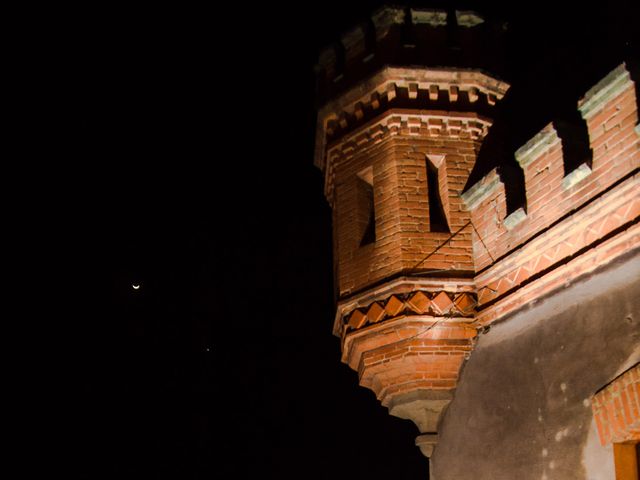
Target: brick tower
[
  {"x": 397, "y": 144},
  {"x": 424, "y": 264}
]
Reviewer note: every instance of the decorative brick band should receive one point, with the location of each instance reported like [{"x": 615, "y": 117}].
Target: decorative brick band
[
  {"x": 436, "y": 303},
  {"x": 376, "y": 95},
  {"x": 616, "y": 409},
  {"x": 454, "y": 90},
  {"x": 402, "y": 288},
  {"x": 588, "y": 262}
]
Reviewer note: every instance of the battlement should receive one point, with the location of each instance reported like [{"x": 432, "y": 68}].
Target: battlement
[
  {"x": 566, "y": 213},
  {"x": 587, "y": 215},
  {"x": 408, "y": 36},
  {"x": 425, "y": 263}
]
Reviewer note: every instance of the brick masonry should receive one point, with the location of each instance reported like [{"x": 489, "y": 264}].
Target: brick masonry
[
  {"x": 411, "y": 303},
  {"x": 616, "y": 409},
  {"x": 565, "y": 221}
]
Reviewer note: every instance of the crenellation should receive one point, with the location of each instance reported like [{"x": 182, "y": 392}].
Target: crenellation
[
  {"x": 354, "y": 43},
  {"x": 576, "y": 176},
  {"x": 468, "y": 18},
  {"x": 386, "y": 17},
  {"x": 514, "y": 219},
  {"x": 607, "y": 89},
  {"x": 537, "y": 146},
  {"x": 447, "y": 263},
  {"x": 549, "y": 192},
  {"x": 433, "y": 18},
  {"x": 383, "y": 22},
  {"x": 479, "y": 192}
]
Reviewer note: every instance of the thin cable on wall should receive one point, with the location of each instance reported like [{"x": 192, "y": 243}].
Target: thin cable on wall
[
  {"x": 482, "y": 241},
  {"x": 441, "y": 245},
  {"x": 449, "y": 239},
  {"x": 423, "y": 331}
]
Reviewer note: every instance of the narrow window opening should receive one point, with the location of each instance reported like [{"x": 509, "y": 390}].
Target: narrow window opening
[
  {"x": 408, "y": 40},
  {"x": 366, "y": 208},
  {"x": 437, "y": 218},
  {"x": 453, "y": 40},
  {"x": 369, "y": 39},
  {"x": 340, "y": 61}
]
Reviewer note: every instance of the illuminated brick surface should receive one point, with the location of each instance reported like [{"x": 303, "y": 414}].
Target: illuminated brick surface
[{"x": 412, "y": 302}]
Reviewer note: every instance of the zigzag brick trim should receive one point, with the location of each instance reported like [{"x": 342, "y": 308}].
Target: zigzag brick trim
[{"x": 597, "y": 220}]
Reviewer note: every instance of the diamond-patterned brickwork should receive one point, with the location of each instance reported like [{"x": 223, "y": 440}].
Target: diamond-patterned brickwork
[
  {"x": 375, "y": 313},
  {"x": 357, "y": 319},
  {"x": 394, "y": 306},
  {"x": 410, "y": 336},
  {"x": 464, "y": 302},
  {"x": 439, "y": 303},
  {"x": 442, "y": 302},
  {"x": 419, "y": 302}
]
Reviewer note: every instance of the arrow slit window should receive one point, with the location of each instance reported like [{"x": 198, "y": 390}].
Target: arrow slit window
[
  {"x": 436, "y": 188},
  {"x": 366, "y": 207}
]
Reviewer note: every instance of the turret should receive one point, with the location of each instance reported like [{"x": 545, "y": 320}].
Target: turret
[
  {"x": 425, "y": 263},
  {"x": 405, "y": 110}
]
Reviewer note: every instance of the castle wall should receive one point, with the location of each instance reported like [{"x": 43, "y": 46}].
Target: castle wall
[
  {"x": 522, "y": 406},
  {"x": 572, "y": 219},
  {"x": 518, "y": 316}
]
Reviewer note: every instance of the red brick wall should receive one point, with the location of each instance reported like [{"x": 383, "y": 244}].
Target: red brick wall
[
  {"x": 398, "y": 157},
  {"x": 616, "y": 150},
  {"x": 500, "y": 247},
  {"x": 616, "y": 409},
  {"x": 573, "y": 224},
  {"x": 567, "y": 216}
]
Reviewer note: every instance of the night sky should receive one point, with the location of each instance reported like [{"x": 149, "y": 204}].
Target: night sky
[{"x": 195, "y": 134}]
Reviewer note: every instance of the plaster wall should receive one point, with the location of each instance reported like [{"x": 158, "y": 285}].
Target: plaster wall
[{"x": 522, "y": 407}]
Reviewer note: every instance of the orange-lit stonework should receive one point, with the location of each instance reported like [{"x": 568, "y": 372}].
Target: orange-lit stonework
[{"x": 413, "y": 301}]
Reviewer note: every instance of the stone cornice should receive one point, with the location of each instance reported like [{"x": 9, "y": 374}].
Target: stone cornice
[
  {"x": 436, "y": 84},
  {"x": 389, "y": 79}
]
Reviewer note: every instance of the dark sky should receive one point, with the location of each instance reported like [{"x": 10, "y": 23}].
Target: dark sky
[{"x": 194, "y": 133}]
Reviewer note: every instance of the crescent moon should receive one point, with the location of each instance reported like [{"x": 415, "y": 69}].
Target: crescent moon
[{"x": 136, "y": 287}]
